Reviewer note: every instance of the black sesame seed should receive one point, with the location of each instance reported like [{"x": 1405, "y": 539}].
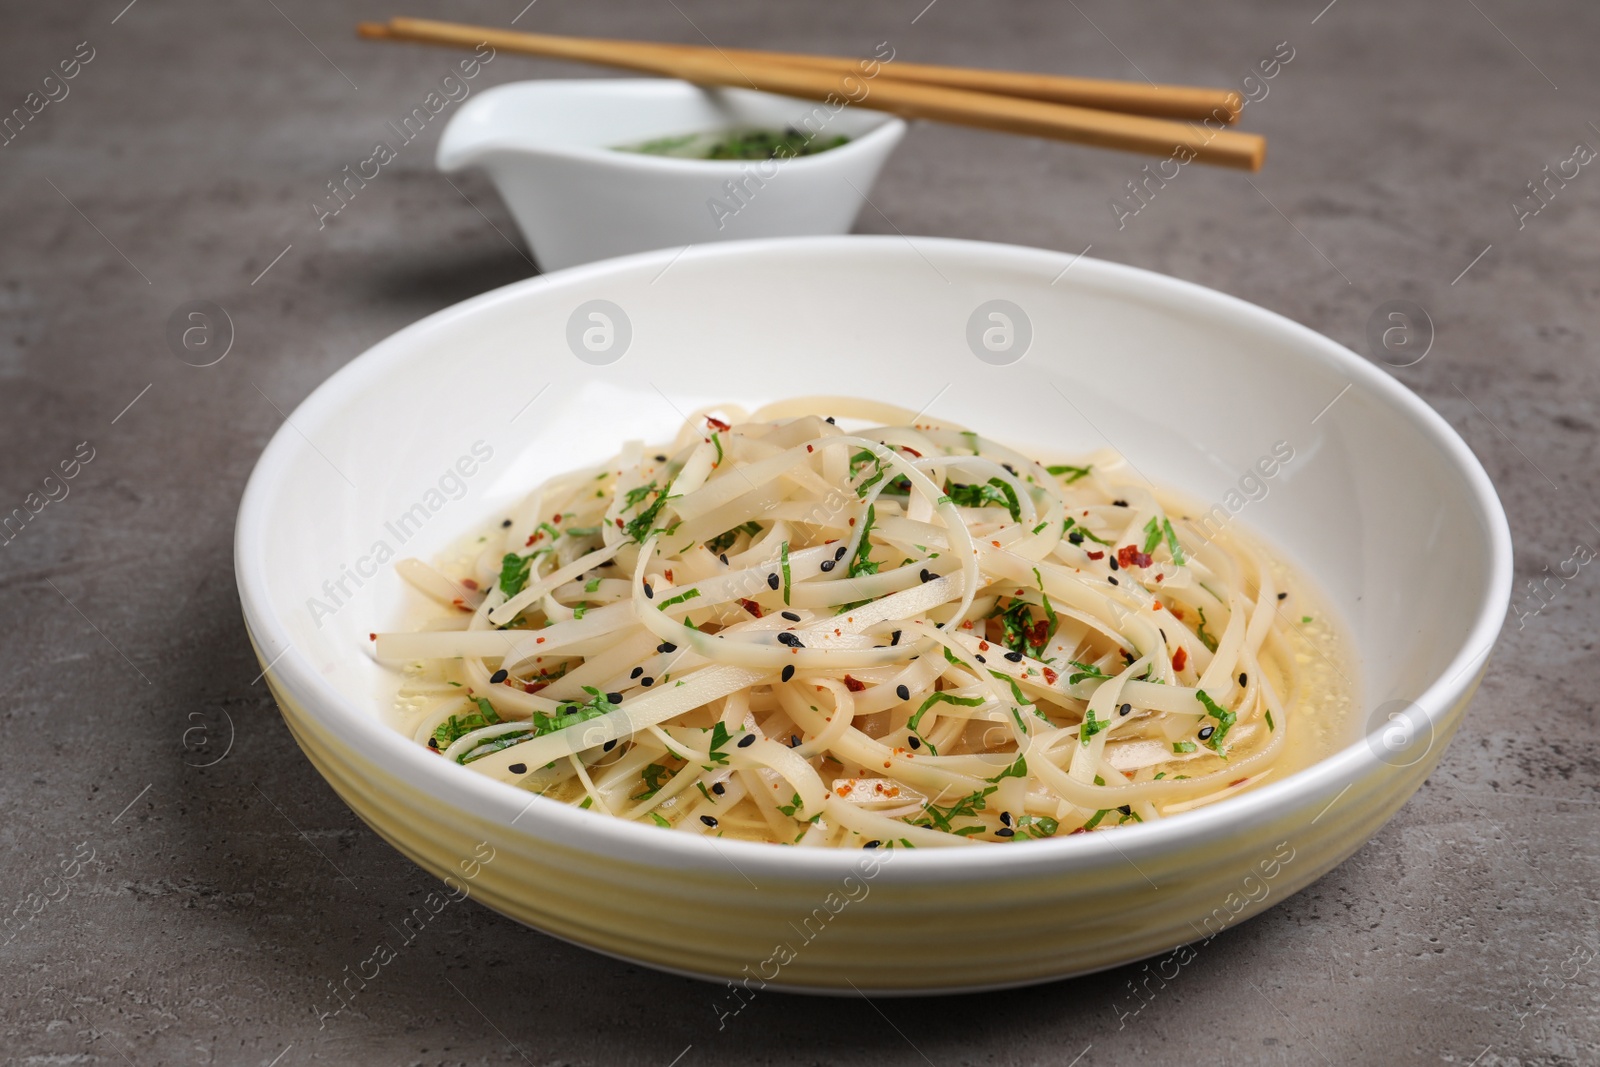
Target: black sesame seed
[
  {"x": 1014, "y": 657},
  {"x": 894, "y": 638},
  {"x": 842, "y": 550},
  {"x": 498, "y": 676},
  {"x": 1075, "y": 537},
  {"x": 772, "y": 581},
  {"x": 1005, "y": 817},
  {"x": 1244, "y": 679},
  {"x": 914, "y": 741},
  {"x": 1126, "y": 709},
  {"x": 1126, "y": 809},
  {"x": 1112, "y": 580},
  {"x": 609, "y": 563},
  {"x": 1206, "y": 732},
  {"x": 827, "y": 565},
  {"x": 666, "y": 646},
  {"x": 506, "y": 523},
  {"x": 719, "y": 789},
  {"x": 433, "y": 743},
  {"x": 979, "y": 658},
  {"x": 903, "y": 692},
  {"x": 1005, "y": 831},
  {"x": 647, "y": 682},
  {"x": 1010, "y": 468},
  {"x": 709, "y": 820},
  {"x": 1114, "y": 564},
  {"x": 872, "y": 844},
  {"x": 518, "y": 768},
  {"x": 614, "y": 698},
  {"x": 794, "y": 740},
  {"x": 1282, "y": 596},
  {"x": 788, "y": 671},
  {"x": 787, "y": 638},
  {"x": 1119, "y": 503},
  {"x": 661, "y": 459},
  {"x": 927, "y": 575},
  {"x": 649, "y": 594},
  {"x": 636, "y": 672},
  {"x": 724, "y": 558},
  {"x": 831, "y": 422},
  {"x": 747, "y": 740},
  {"x": 609, "y": 745},
  {"x": 791, "y": 616}
]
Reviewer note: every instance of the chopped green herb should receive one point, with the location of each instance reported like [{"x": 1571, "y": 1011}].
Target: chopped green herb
[
  {"x": 1084, "y": 531},
  {"x": 965, "y": 808},
  {"x": 1038, "y": 825},
  {"x": 1152, "y": 536},
  {"x": 791, "y": 807},
  {"x": 660, "y": 821},
  {"x": 1224, "y": 717},
  {"x": 717, "y": 440},
  {"x": 1270, "y": 725},
  {"x": 687, "y": 594},
  {"x": 724, "y": 541},
  {"x": 1085, "y": 670},
  {"x": 588, "y": 802},
  {"x": 514, "y": 571},
  {"x": 1183, "y": 746},
  {"x": 1305, "y": 618},
  {"x": 591, "y": 585},
  {"x": 783, "y": 553},
  {"x": 654, "y": 777},
  {"x": 1095, "y": 821},
  {"x": 1200, "y": 632},
  {"x": 859, "y": 563},
  {"x": 995, "y": 491},
  {"x": 1172, "y": 542},
  {"x": 1091, "y": 726},
  {"x": 719, "y": 738},
  {"x": 1074, "y": 472},
  {"x": 1019, "y": 769},
  {"x": 1039, "y": 527}
]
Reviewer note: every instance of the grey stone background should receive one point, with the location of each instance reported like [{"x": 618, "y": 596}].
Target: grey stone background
[{"x": 220, "y": 900}]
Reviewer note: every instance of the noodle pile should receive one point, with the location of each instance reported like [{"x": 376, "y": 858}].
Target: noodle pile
[{"x": 903, "y": 636}]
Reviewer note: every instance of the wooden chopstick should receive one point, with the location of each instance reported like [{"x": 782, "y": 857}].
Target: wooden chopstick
[
  {"x": 909, "y": 99},
  {"x": 1133, "y": 98}
]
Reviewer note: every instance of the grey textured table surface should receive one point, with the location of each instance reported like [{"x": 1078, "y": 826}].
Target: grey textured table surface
[{"x": 220, "y": 900}]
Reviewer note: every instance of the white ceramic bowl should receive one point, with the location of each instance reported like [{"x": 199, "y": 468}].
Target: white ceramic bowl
[
  {"x": 549, "y": 147},
  {"x": 437, "y": 428}
]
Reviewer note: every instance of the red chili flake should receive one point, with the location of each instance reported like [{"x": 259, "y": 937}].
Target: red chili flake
[
  {"x": 469, "y": 583},
  {"x": 908, "y": 448},
  {"x": 619, "y": 526},
  {"x": 557, "y": 517},
  {"x": 1177, "y": 613},
  {"x": 852, "y": 520},
  {"x": 1127, "y": 555},
  {"x": 967, "y": 625},
  {"x": 538, "y": 641},
  {"x": 810, "y": 449},
  {"x": 1241, "y": 781},
  {"x": 669, "y": 574},
  {"x": 534, "y": 536},
  {"x": 533, "y": 687},
  {"x": 1079, "y": 830},
  {"x": 1096, "y": 555},
  {"x": 751, "y": 606},
  {"x": 372, "y": 637},
  {"x": 716, "y": 424},
  {"x": 1179, "y": 658},
  {"x": 459, "y": 603},
  {"x": 1041, "y": 632},
  {"x": 983, "y": 646},
  {"x": 1160, "y": 576},
  {"x": 1050, "y": 676},
  {"x": 853, "y": 685}
]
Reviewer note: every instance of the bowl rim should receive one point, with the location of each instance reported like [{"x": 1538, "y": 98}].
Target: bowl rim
[
  {"x": 504, "y": 804},
  {"x": 889, "y": 130}
]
